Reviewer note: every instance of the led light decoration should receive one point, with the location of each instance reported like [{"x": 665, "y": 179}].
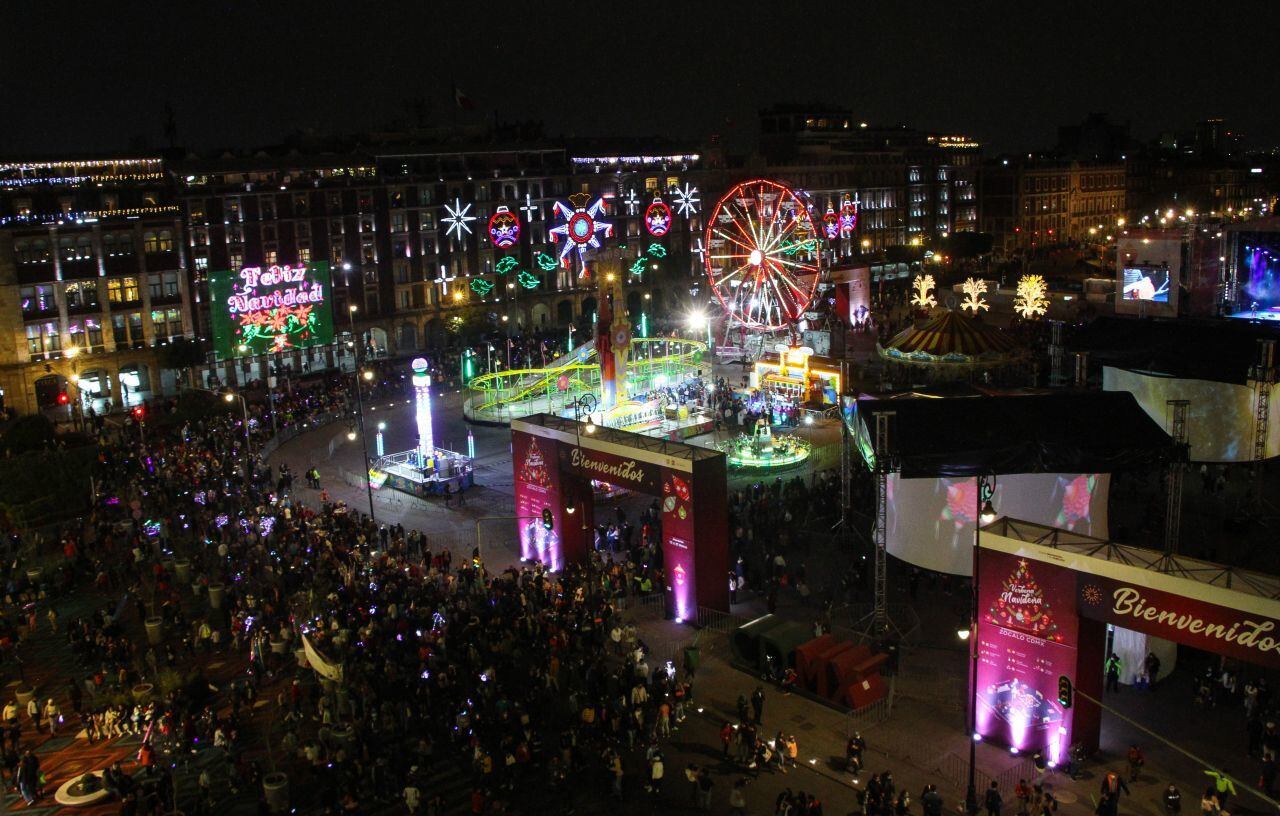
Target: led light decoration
[
  {"x": 848, "y": 217},
  {"x": 527, "y": 279},
  {"x": 481, "y": 286},
  {"x": 506, "y": 264},
  {"x": 758, "y": 284},
  {"x": 632, "y": 202},
  {"x": 763, "y": 451},
  {"x": 698, "y": 249},
  {"x": 1030, "y": 300},
  {"x": 657, "y": 218},
  {"x": 458, "y": 219},
  {"x": 830, "y": 223},
  {"x": 581, "y": 226},
  {"x": 687, "y": 200},
  {"x": 638, "y": 267},
  {"x": 532, "y": 212},
  {"x": 422, "y": 408},
  {"x": 973, "y": 289},
  {"x": 657, "y": 250},
  {"x": 923, "y": 297},
  {"x": 504, "y": 228},
  {"x": 545, "y": 262}
]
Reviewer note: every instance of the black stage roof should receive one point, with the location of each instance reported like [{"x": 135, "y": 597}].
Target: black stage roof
[
  {"x": 1217, "y": 350},
  {"x": 1061, "y": 432}
]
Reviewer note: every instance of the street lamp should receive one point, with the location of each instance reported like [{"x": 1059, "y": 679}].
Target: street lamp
[{"x": 351, "y": 435}]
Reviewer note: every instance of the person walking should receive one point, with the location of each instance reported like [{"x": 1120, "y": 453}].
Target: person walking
[
  {"x": 1152, "y": 667},
  {"x": 705, "y": 786},
  {"x": 1113, "y": 672},
  {"x": 1136, "y": 760},
  {"x": 656, "y": 772},
  {"x": 757, "y": 705},
  {"x": 726, "y": 737},
  {"x": 993, "y": 799},
  {"x": 1172, "y": 800},
  {"x": 29, "y": 777}
]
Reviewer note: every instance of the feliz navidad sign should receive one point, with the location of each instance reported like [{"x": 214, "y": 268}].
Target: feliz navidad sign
[{"x": 265, "y": 309}]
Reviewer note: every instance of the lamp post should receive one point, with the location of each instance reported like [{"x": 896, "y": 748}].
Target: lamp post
[
  {"x": 232, "y": 396},
  {"x": 364, "y": 440},
  {"x": 984, "y": 514}
]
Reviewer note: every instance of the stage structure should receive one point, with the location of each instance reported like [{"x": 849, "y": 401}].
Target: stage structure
[
  {"x": 426, "y": 469},
  {"x": 555, "y": 461},
  {"x": 1045, "y": 599},
  {"x": 1048, "y": 458}
]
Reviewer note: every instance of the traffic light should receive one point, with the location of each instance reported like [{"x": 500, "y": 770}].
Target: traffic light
[
  {"x": 547, "y": 521},
  {"x": 1065, "y": 692},
  {"x": 63, "y": 399}
]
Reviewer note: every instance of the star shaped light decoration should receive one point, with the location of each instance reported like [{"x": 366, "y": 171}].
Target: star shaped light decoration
[
  {"x": 458, "y": 219},
  {"x": 581, "y": 225},
  {"x": 632, "y": 202},
  {"x": 686, "y": 199}
]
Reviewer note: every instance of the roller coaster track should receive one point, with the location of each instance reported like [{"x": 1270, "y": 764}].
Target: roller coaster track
[{"x": 646, "y": 356}]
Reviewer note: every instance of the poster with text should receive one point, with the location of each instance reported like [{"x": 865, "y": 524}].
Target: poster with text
[
  {"x": 1027, "y": 629},
  {"x": 677, "y": 543},
  {"x": 264, "y": 309},
  {"x": 537, "y": 486}
]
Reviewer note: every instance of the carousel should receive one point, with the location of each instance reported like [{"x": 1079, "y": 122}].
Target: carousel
[
  {"x": 951, "y": 346},
  {"x": 762, "y": 450}
]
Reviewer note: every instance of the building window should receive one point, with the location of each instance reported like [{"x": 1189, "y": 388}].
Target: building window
[
  {"x": 37, "y": 299},
  {"x": 302, "y": 230},
  {"x": 174, "y": 318},
  {"x": 304, "y": 253},
  {"x": 153, "y": 286},
  {"x": 119, "y": 331},
  {"x": 268, "y": 206},
  {"x": 233, "y": 211},
  {"x": 200, "y": 237},
  {"x": 301, "y": 204},
  {"x": 196, "y": 208},
  {"x": 236, "y": 259},
  {"x": 82, "y": 295},
  {"x": 34, "y": 345},
  {"x": 202, "y": 264},
  {"x": 398, "y": 221},
  {"x": 136, "y": 336},
  {"x": 268, "y": 232},
  {"x": 52, "y": 337},
  {"x": 235, "y": 235},
  {"x": 400, "y": 267},
  {"x": 93, "y": 333},
  {"x": 335, "y": 251},
  {"x": 270, "y": 257}
]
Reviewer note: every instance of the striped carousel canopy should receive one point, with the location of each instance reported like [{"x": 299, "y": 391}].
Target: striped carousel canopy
[{"x": 951, "y": 337}]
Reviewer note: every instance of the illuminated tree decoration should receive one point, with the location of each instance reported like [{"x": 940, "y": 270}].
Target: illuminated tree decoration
[
  {"x": 830, "y": 223},
  {"x": 657, "y": 218},
  {"x": 1031, "y": 300},
  {"x": 504, "y": 228},
  {"x": 848, "y": 217},
  {"x": 457, "y": 219},
  {"x": 505, "y": 264},
  {"x": 923, "y": 297},
  {"x": 973, "y": 289},
  {"x": 687, "y": 200},
  {"x": 527, "y": 279},
  {"x": 657, "y": 250},
  {"x": 545, "y": 262},
  {"x": 481, "y": 286},
  {"x": 1021, "y": 605},
  {"x": 581, "y": 226}
]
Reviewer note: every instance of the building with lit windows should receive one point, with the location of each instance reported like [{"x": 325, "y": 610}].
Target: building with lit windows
[{"x": 94, "y": 282}]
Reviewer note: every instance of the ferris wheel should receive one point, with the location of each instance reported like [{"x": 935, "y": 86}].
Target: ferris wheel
[{"x": 762, "y": 255}]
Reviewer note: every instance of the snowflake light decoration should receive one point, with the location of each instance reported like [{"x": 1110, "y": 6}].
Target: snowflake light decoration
[
  {"x": 1091, "y": 594},
  {"x": 632, "y": 202},
  {"x": 1030, "y": 300},
  {"x": 458, "y": 219},
  {"x": 581, "y": 226},
  {"x": 686, "y": 200},
  {"x": 923, "y": 297},
  {"x": 973, "y": 289}
]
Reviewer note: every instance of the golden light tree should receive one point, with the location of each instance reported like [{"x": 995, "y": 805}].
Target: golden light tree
[
  {"x": 923, "y": 284},
  {"x": 1031, "y": 298},
  {"x": 973, "y": 288}
]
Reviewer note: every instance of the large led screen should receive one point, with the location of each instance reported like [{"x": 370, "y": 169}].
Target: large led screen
[
  {"x": 1220, "y": 417},
  {"x": 931, "y": 520},
  {"x": 263, "y": 309}
]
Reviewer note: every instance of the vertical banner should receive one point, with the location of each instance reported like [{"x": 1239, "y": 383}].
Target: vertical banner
[
  {"x": 1027, "y": 633},
  {"x": 538, "y": 500},
  {"x": 678, "y": 558}
]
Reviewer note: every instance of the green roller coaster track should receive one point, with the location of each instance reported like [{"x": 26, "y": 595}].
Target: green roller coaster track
[{"x": 647, "y": 358}]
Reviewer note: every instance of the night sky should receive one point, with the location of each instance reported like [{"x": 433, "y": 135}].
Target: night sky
[{"x": 94, "y": 76}]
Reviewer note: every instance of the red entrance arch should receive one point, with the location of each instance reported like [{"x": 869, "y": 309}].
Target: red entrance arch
[
  {"x": 554, "y": 460},
  {"x": 1044, "y": 599}
]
